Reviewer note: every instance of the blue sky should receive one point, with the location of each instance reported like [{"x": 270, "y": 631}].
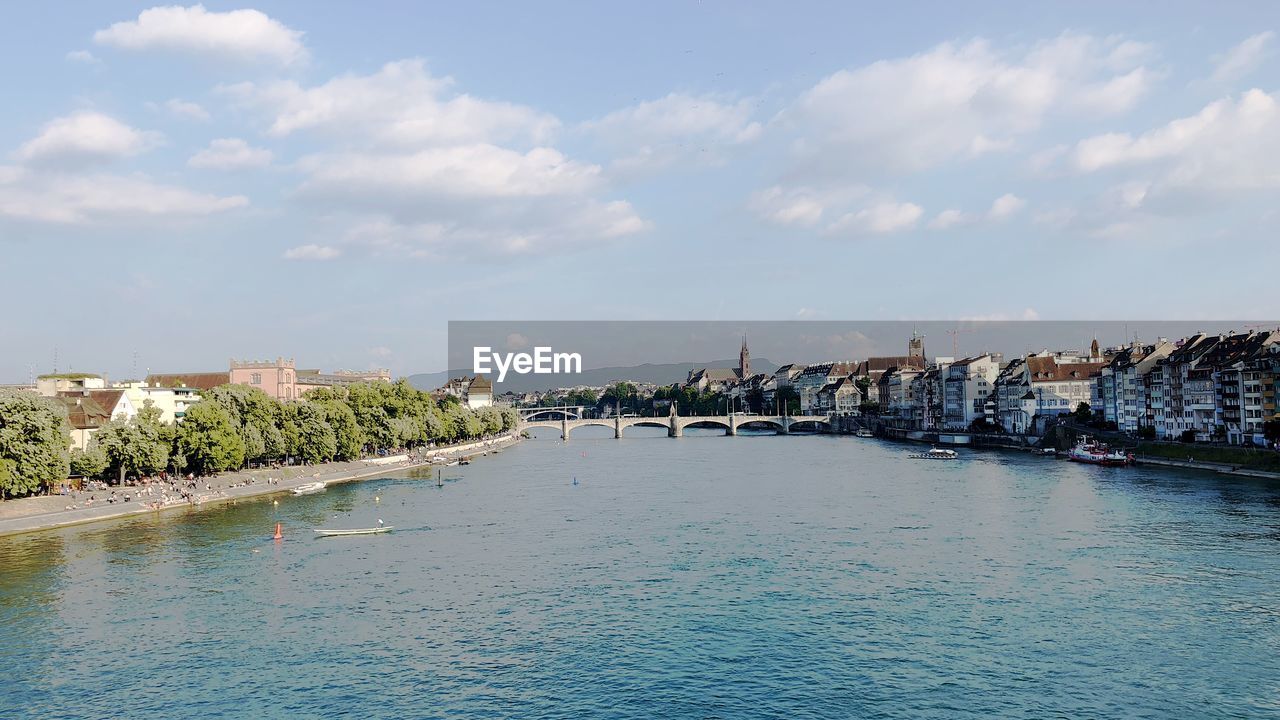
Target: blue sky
[{"x": 336, "y": 182}]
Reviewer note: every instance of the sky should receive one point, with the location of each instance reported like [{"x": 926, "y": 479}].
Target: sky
[{"x": 180, "y": 185}]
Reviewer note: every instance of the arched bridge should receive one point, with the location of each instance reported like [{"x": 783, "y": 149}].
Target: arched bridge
[
  {"x": 675, "y": 424},
  {"x": 570, "y": 412}
]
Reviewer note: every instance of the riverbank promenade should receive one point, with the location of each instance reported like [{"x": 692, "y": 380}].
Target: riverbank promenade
[{"x": 53, "y": 511}]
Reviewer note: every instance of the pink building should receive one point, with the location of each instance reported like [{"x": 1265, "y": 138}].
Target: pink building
[{"x": 278, "y": 379}]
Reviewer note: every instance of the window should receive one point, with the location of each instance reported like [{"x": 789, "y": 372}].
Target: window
[{"x": 256, "y": 378}]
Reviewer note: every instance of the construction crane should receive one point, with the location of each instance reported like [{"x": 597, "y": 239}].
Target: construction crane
[{"x": 955, "y": 342}]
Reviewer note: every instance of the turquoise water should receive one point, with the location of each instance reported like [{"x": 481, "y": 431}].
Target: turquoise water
[{"x": 809, "y": 577}]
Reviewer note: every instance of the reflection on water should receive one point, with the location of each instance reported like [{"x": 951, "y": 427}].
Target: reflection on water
[{"x": 755, "y": 576}]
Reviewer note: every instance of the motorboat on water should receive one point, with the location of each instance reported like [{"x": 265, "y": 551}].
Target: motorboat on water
[
  {"x": 309, "y": 489},
  {"x": 354, "y": 531},
  {"x": 1088, "y": 450},
  {"x": 1046, "y": 451},
  {"x": 864, "y": 433},
  {"x": 936, "y": 454}
]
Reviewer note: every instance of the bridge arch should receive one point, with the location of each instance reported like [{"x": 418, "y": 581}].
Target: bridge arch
[
  {"x": 550, "y": 414},
  {"x": 660, "y": 423},
  {"x": 810, "y": 426},
  {"x": 575, "y": 424},
  {"x": 708, "y": 423},
  {"x": 760, "y": 424}
]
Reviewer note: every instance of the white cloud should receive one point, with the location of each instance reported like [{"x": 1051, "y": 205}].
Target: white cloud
[
  {"x": 466, "y": 171},
  {"x": 559, "y": 227},
  {"x": 1006, "y": 206},
  {"x": 957, "y": 101},
  {"x": 880, "y": 218},
  {"x": 1002, "y": 208},
  {"x": 245, "y": 35},
  {"x": 802, "y": 206},
  {"x": 1244, "y": 58},
  {"x": 950, "y": 218},
  {"x": 71, "y": 198},
  {"x": 401, "y": 105},
  {"x": 230, "y": 154},
  {"x": 674, "y": 128},
  {"x": 1229, "y": 146},
  {"x": 183, "y": 108},
  {"x": 421, "y": 170},
  {"x": 84, "y": 138},
  {"x": 83, "y": 56},
  {"x": 312, "y": 252}
]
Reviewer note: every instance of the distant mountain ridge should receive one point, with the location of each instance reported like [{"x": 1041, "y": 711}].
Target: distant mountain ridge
[{"x": 658, "y": 374}]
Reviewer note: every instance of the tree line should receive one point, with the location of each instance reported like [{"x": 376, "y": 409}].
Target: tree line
[{"x": 232, "y": 427}]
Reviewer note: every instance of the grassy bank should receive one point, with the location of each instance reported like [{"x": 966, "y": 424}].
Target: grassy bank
[{"x": 1238, "y": 457}]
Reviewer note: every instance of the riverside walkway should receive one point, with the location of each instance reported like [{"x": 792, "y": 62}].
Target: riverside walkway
[{"x": 53, "y": 511}]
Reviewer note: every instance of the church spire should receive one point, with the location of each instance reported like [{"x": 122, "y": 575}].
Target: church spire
[{"x": 744, "y": 360}]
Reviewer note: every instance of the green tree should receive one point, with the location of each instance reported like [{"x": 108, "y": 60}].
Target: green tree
[
  {"x": 310, "y": 437},
  {"x": 90, "y": 463},
  {"x": 208, "y": 440},
  {"x": 35, "y": 441},
  {"x": 137, "y": 447},
  {"x": 347, "y": 433},
  {"x": 256, "y": 416}
]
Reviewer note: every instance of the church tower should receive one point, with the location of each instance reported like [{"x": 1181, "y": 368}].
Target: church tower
[
  {"x": 744, "y": 360},
  {"x": 915, "y": 346}
]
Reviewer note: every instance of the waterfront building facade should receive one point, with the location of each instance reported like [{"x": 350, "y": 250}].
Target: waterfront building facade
[
  {"x": 967, "y": 386},
  {"x": 815, "y": 377}
]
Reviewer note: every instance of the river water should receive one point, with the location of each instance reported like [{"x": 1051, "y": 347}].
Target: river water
[{"x": 753, "y": 576}]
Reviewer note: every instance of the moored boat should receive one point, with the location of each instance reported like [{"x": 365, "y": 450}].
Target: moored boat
[
  {"x": 864, "y": 433},
  {"x": 354, "y": 531},
  {"x": 936, "y": 454},
  {"x": 1088, "y": 450},
  {"x": 309, "y": 488}
]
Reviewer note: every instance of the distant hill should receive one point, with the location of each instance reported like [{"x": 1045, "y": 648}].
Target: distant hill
[{"x": 658, "y": 374}]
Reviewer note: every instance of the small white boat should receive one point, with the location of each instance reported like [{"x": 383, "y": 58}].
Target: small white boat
[
  {"x": 354, "y": 531},
  {"x": 309, "y": 489},
  {"x": 864, "y": 433},
  {"x": 451, "y": 464},
  {"x": 936, "y": 454}
]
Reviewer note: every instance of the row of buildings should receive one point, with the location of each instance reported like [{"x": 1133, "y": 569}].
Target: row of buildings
[
  {"x": 1205, "y": 387},
  {"x": 91, "y": 400}
]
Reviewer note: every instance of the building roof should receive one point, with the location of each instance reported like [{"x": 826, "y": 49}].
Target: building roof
[
  {"x": 1047, "y": 369},
  {"x": 83, "y": 412},
  {"x": 202, "y": 381},
  {"x": 713, "y": 375},
  {"x": 480, "y": 383},
  {"x": 107, "y": 399},
  {"x": 881, "y": 364}
]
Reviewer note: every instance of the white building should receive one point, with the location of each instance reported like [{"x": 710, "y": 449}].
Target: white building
[
  {"x": 967, "y": 386},
  {"x": 172, "y": 402},
  {"x": 815, "y": 377}
]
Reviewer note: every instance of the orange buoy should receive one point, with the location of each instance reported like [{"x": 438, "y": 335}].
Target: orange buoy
[{"x": 279, "y": 535}]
